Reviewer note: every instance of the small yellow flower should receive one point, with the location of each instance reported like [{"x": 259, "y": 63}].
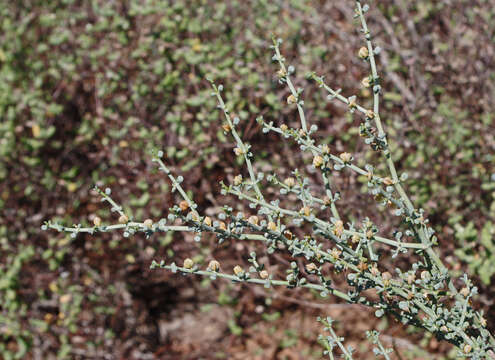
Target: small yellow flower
[
  {"x": 464, "y": 292},
  {"x": 148, "y": 223},
  {"x": 226, "y": 127},
  {"x": 183, "y": 205},
  {"x": 281, "y": 73},
  {"x": 214, "y": 265},
  {"x": 366, "y": 82},
  {"x": 188, "y": 263},
  {"x": 238, "y": 151},
  {"x": 272, "y": 226},
  {"x": 238, "y": 180},
  {"x": 222, "y": 226},
  {"x": 97, "y": 221},
  {"x": 345, "y": 157},
  {"x": 238, "y": 270},
  {"x": 284, "y": 127},
  {"x": 317, "y": 161},
  {"x": 311, "y": 267},
  {"x": 305, "y": 210},
  {"x": 253, "y": 220},
  {"x": 207, "y": 221},
  {"x": 325, "y": 149},
  {"x": 123, "y": 219},
  {"x": 291, "y": 99},
  {"x": 335, "y": 253},
  {"x": 290, "y": 182},
  {"x": 388, "y": 181},
  {"x": 363, "y": 52},
  {"x": 338, "y": 229},
  {"x": 264, "y": 274}
]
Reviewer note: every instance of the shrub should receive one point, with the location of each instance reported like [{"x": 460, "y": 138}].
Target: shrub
[{"x": 313, "y": 228}]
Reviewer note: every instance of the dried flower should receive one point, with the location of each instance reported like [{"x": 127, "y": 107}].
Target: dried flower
[
  {"x": 335, "y": 253},
  {"x": 226, "y": 127},
  {"x": 362, "y": 266},
  {"x": 325, "y": 149}
]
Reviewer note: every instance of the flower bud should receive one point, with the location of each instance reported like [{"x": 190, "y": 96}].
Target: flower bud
[
  {"x": 325, "y": 149},
  {"x": 284, "y": 127},
  {"x": 226, "y": 127},
  {"x": 281, "y": 73},
  {"x": 335, "y": 253},
  {"x": 222, "y": 226},
  {"x": 272, "y": 226},
  {"x": 264, "y": 274},
  {"x": 238, "y": 151},
  {"x": 366, "y": 82},
  {"x": 467, "y": 348},
  {"x": 188, "y": 263}
]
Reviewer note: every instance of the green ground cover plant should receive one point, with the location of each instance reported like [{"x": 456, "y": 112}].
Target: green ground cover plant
[{"x": 424, "y": 294}]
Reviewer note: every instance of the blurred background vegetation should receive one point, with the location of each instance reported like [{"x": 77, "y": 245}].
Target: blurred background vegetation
[{"x": 89, "y": 87}]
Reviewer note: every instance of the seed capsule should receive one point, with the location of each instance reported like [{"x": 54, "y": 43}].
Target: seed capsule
[
  {"x": 226, "y": 127},
  {"x": 222, "y": 226},
  {"x": 467, "y": 348}
]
